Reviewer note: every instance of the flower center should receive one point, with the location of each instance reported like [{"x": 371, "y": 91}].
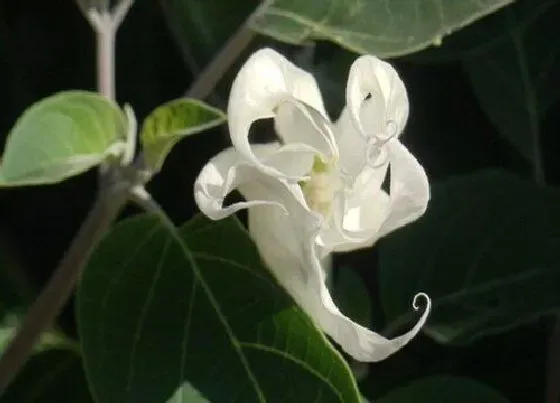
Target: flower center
[{"x": 320, "y": 189}]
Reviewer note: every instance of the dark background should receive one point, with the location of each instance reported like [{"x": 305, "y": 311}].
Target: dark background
[{"x": 45, "y": 48}]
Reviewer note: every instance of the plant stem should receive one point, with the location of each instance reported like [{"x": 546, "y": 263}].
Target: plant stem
[
  {"x": 106, "y": 56},
  {"x": 59, "y": 288},
  {"x": 211, "y": 75},
  {"x": 111, "y": 198}
]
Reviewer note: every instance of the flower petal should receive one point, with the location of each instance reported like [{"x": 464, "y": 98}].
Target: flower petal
[
  {"x": 351, "y": 145},
  {"x": 370, "y": 76},
  {"x": 366, "y": 209},
  {"x": 409, "y": 189},
  {"x": 359, "y": 342},
  {"x": 229, "y": 170},
  {"x": 268, "y": 86},
  {"x": 370, "y": 213},
  {"x": 286, "y": 245}
]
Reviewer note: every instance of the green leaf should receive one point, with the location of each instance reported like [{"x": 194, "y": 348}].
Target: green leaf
[
  {"x": 157, "y": 309},
  {"x": 54, "y": 365},
  {"x": 197, "y": 39},
  {"x": 54, "y": 375},
  {"x": 381, "y": 27},
  {"x": 513, "y": 79},
  {"x": 444, "y": 389},
  {"x": 61, "y": 136},
  {"x": 169, "y": 123},
  {"x": 11, "y": 322},
  {"x": 188, "y": 393},
  {"x": 486, "y": 252},
  {"x": 352, "y": 297}
]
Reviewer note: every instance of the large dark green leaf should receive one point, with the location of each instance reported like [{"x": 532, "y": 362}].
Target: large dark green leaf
[
  {"x": 444, "y": 389},
  {"x": 156, "y": 310},
  {"x": 486, "y": 252},
  {"x": 517, "y": 78},
  {"x": 381, "y": 27}
]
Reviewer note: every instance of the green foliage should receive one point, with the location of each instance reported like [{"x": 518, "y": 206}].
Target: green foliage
[
  {"x": 157, "y": 309},
  {"x": 516, "y": 78},
  {"x": 443, "y": 389},
  {"x": 11, "y": 322},
  {"x": 54, "y": 364},
  {"x": 193, "y": 315},
  {"x": 53, "y": 375},
  {"x": 199, "y": 40},
  {"x": 169, "y": 123},
  {"x": 380, "y": 27},
  {"x": 486, "y": 252},
  {"x": 61, "y": 136}
]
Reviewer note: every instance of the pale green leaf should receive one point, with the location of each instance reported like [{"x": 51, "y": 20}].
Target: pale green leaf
[
  {"x": 169, "y": 123},
  {"x": 61, "y": 136},
  {"x": 51, "y": 339},
  {"x": 384, "y": 28}
]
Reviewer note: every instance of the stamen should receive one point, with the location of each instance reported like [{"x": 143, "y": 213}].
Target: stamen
[{"x": 320, "y": 189}]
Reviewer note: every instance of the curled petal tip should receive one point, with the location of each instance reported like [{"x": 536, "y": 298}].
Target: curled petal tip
[{"x": 425, "y": 296}]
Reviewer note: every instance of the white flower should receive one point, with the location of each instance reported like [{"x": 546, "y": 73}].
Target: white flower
[{"x": 318, "y": 190}]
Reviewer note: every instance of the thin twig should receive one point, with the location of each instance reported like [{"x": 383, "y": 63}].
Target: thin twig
[
  {"x": 59, "y": 288},
  {"x": 229, "y": 53}
]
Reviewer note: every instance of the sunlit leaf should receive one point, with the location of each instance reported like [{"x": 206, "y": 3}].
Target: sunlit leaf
[
  {"x": 61, "y": 136},
  {"x": 157, "y": 309},
  {"x": 169, "y": 123},
  {"x": 486, "y": 252},
  {"x": 380, "y": 27}
]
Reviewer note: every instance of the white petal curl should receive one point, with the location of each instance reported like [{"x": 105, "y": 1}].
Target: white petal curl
[
  {"x": 270, "y": 86},
  {"x": 371, "y": 213},
  {"x": 388, "y": 103},
  {"x": 228, "y": 171},
  {"x": 409, "y": 189},
  {"x": 294, "y": 262}
]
